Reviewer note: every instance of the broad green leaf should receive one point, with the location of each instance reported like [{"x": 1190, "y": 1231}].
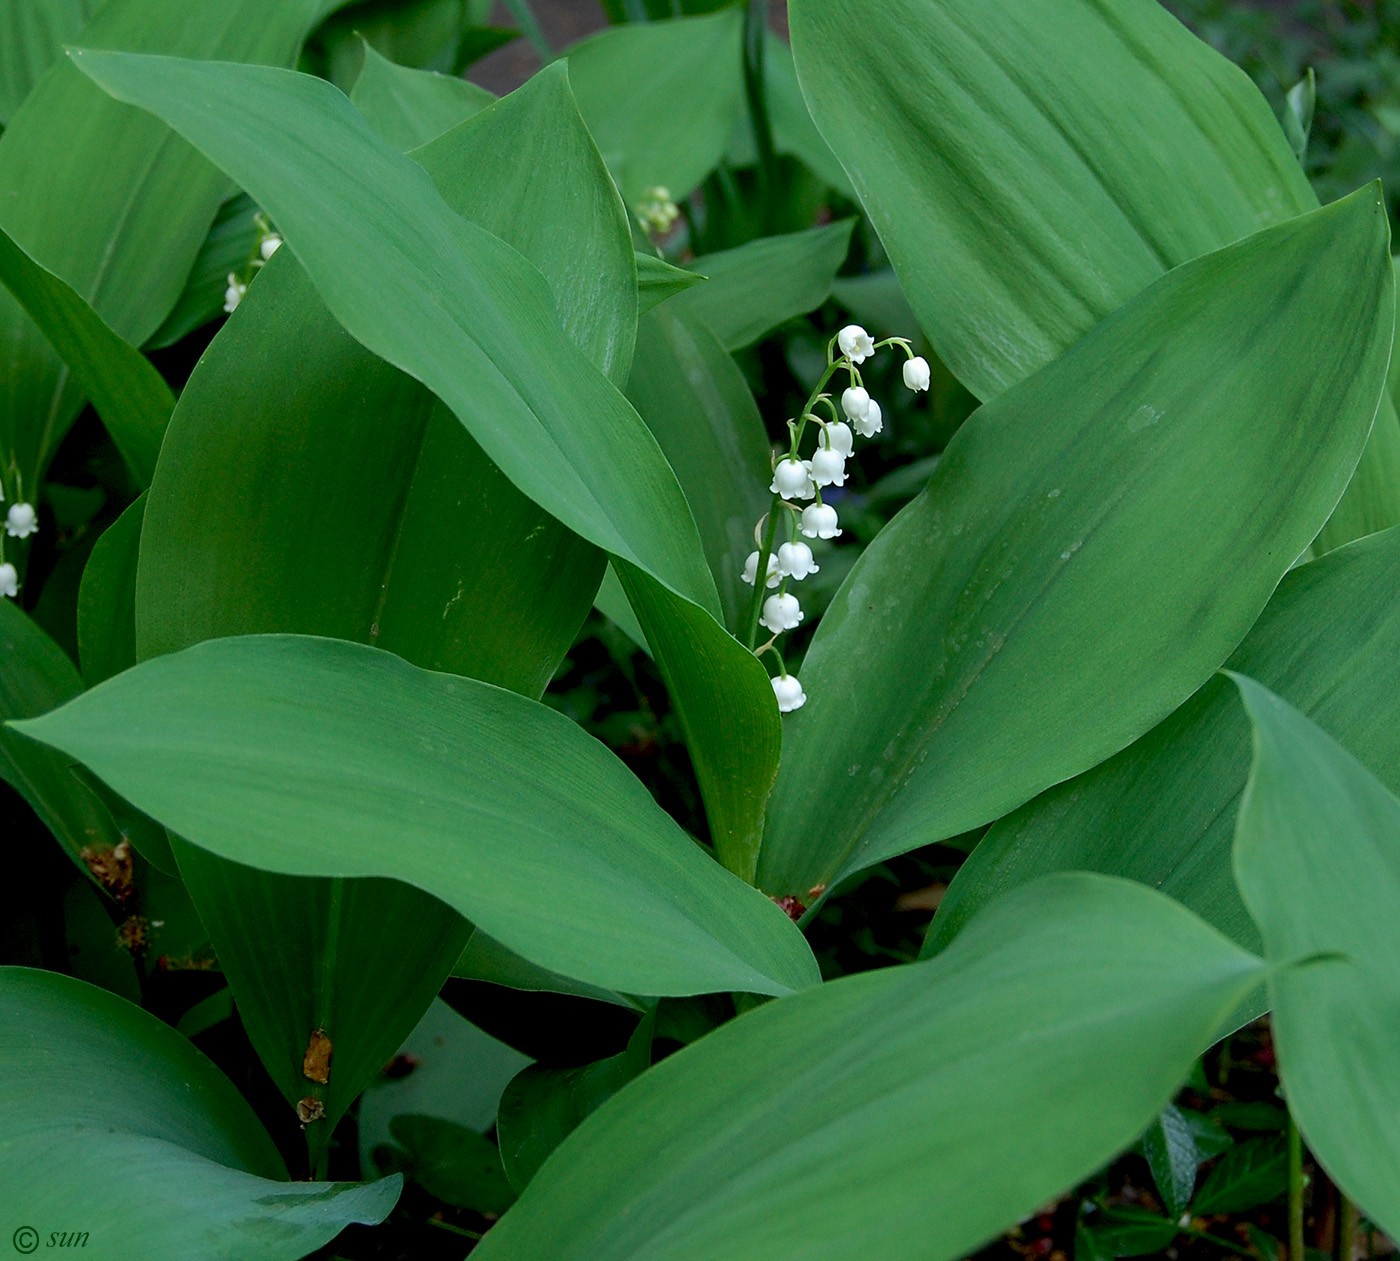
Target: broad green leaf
[
  {"x": 483, "y": 959},
  {"x": 694, "y": 398},
  {"x": 657, "y": 280},
  {"x": 1247, "y": 1175},
  {"x": 661, "y": 99},
  {"x": 410, "y": 107},
  {"x": 453, "y": 1163},
  {"x": 107, "y": 599},
  {"x": 1091, "y": 548},
  {"x": 108, "y": 200},
  {"x": 37, "y": 676},
  {"x": 1163, "y": 811},
  {"x": 1170, "y": 1152},
  {"x": 116, "y": 1125},
  {"x": 1317, "y": 856},
  {"x": 1019, "y": 214},
  {"x": 129, "y": 394},
  {"x": 465, "y": 314},
  {"x": 908, "y": 1112},
  {"x": 319, "y": 757},
  {"x": 758, "y": 286},
  {"x": 32, "y": 36}
]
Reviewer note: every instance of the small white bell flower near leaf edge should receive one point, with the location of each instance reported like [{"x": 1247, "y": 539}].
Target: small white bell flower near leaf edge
[
  {"x": 21, "y": 521},
  {"x": 789, "y": 693},
  {"x": 827, "y": 467},
  {"x": 872, "y": 422},
  {"x": 916, "y": 373},
  {"x": 782, "y": 613},
  {"x": 855, "y": 402},
  {"x": 841, "y": 440},
  {"x": 855, "y": 343},
  {"x": 795, "y": 561},
  {"x": 751, "y": 569},
  {"x": 233, "y": 295},
  {"x": 270, "y": 245},
  {"x": 791, "y": 480},
  {"x": 819, "y": 522},
  {"x": 9, "y": 580}
]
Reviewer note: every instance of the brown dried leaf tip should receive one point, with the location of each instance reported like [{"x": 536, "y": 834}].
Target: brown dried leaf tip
[
  {"x": 111, "y": 868},
  {"x": 316, "y": 1063},
  {"x": 309, "y": 1110},
  {"x": 791, "y": 906}
]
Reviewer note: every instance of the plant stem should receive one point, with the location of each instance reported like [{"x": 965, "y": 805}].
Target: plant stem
[
  {"x": 755, "y": 31},
  {"x": 1348, "y": 1219},
  {"x": 1296, "y": 1250}
]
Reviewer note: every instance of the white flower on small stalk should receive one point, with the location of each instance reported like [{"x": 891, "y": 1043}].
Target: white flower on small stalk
[
  {"x": 751, "y": 569},
  {"x": 872, "y": 422},
  {"x": 791, "y": 480},
  {"x": 855, "y": 343},
  {"x": 21, "y": 521},
  {"x": 819, "y": 522},
  {"x": 9, "y": 580},
  {"x": 841, "y": 440},
  {"x": 789, "y": 693},
  {"x": 855, "y": 402},
  {"x": 916, "y": 373},
  {"x": 782, "y": 613},
  {"x": 795, "y": 561},
  {"x": 827, "y": 467},
  {"x": 269, "y": 246},
  {"x": 233, "y": 295}
]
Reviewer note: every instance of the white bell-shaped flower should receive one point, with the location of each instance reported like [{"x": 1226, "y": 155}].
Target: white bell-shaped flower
[
  {"x": 9, "y": 580},
  {"x": 233, "y": 295},
  {"x": 819, "y": 522},
  {"x": 828, "y": 467},
  {"x": 841, "y": 440},
  {"x": 872, "y": 422},
  {"x": 916, "y": 373},
  {"x": 270, "y": 245},
  {"x": 789, "y": 693},
  {"x": 855, "y": 402},
  {"x": 855, "y": 343},
  {"x": 792, "y": 480},
  {"x": 751, "y": 569},
  {"x": 782, "y": 613},
  {"x": 21, "y": 521},
  {"x": 795, "y": 561}
]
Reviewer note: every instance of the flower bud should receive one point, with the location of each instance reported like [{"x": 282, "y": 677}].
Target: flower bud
[
  {"x": 233, "y": 295},
  {"x": 9, "y": 580},
  {"x": 916, "y": 373},
  {"x": 270, "y": 245},
  {"x": 872, "y": 422},
  {"x": 795, "y": 561},
  {"x": 828, "y": 467},
  {"x": 789, "y": 693},
  {"x": 751, "y": 569},
  {"x": 855, "y": 402},
  {"x": 819, "y": 522},
  {"x": 791, "y": 480},
  {"x": 841, "y": 439},
  {"x": 21, "y": 521},
  {"x": 781, "y": 613},
  {"x": 855, "y": 343}
]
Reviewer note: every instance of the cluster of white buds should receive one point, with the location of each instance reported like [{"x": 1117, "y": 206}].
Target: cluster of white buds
[
  {"x": 268, "y": 243},
  {"x": 20, "y": 522},
  {"x": 656, "y": 212},
  {"x": 796, "y": 480}
]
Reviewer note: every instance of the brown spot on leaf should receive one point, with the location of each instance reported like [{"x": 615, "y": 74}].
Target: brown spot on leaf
[
  {"x": 134, "y": 934},
  {"x": 399, "y": 1067},
  {"x": 111, "y": 868},
  {"x": 316, "y": 1063},
  {"x": 815, "y": 892},
  {"x": 309, "y": 1110},
  {"x": 791, "y": 907}
]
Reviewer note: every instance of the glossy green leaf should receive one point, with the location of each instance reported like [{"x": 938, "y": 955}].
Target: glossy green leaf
[
  {"x": 1163, "y": 811},
  {"x": 453, "y": 1163},
  {"x": 32, "y": 36},
  {"x": 37, "y": 676},
  {"x": 1092, "y": 546},
  {"x": 755, "y": 287},
  {"x": 1170, "y": 1151},
  {"x": 115, "y": 1125},
  {"x": 909, "y": 1112},
  {"x": 108, "y": 200},
  {"x": 1019, "y": 214},
  {"x": 410, "y": 107},
  {"x": 661, "y": 98},
  {"x": 107, "y": 599},
  {"x": 1247, "y": 1175},
  {"x": 318, "y": 757},
  {"x": 1317, "y": 856},
  {"x": 657, "y": 280},
  {"x": 129, "y": 394},
  {"x": 465, "y": 314},
  {"x": 696, "y": 401}
]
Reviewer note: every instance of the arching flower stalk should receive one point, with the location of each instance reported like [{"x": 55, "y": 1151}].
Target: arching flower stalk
[{"x": 796, "y": 480}]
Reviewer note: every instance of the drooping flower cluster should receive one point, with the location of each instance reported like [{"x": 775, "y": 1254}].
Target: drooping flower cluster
[
  {"x": 797, "y": 480},
  {"x": 656, "y": 212},
  {"x": 268, "y": 243},
  {"x": 21, "y": 520}
]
